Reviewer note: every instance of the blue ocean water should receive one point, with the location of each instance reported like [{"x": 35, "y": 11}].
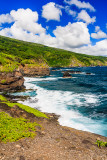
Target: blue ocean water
[{"x": 81, "y": 101}]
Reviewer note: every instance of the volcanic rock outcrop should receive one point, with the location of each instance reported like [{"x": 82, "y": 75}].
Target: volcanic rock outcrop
[{"x": 11, "y": 81}]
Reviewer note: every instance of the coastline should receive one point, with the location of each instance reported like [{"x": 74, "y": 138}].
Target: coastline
[{"x": 53, "y": 141}]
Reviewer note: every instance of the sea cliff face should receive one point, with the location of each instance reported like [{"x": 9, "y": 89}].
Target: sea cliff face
[
  {"x": 11, "y": 81},
  {"x": 15, "y": 81}
]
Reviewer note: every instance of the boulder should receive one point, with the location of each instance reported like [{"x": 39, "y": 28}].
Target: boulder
[{"x": 66, "y": 74}]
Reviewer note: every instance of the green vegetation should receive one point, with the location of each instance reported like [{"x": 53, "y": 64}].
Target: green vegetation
[
  {"x": 101, "y": 143},
  {"x": 24, "y": 107},
  {"x": 14, "y": 53},
  {"x": 13, "y": 129},
  {"x": 27, "y": 109},
  {"x": 3, "y": 81},
  {"x": 3, "y": 99}
]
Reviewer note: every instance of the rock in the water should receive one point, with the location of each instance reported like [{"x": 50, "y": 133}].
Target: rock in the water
[
  {"x": 66, "y": 75},
  {"x": 88, "y": 73}
]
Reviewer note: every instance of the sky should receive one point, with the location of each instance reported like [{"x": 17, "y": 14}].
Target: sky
[{"x": 75, "y": 25}]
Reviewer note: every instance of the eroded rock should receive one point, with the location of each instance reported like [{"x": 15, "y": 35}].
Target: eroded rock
[
  {"x": 34, "y": 71},
  {"x": 11, "y": 81}
]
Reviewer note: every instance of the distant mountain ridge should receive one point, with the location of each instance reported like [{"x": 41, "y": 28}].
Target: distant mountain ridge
[{"x": 14, "y": 53}]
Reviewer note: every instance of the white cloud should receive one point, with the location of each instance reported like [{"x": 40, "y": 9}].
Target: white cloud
[
  {"x": 51, "y": 11},
  {"x": 79, "y": 4},
  {"x": 72, "y": 35},
  {"x": 97, "y": 28},
  {"x": 99, "y": 49},
  {"x": 25, "y": 26},
  {"x": 99, "y": 33},
  {"x": 70, "y": 12},
  {"x": 24, "y": 15},
  {"x": 84, "y": 16},
  {"x": 5, "y": 18},
  {"x": 27, "y": 19}
]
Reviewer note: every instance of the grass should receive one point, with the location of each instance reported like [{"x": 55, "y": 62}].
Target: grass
[
  {"x": 28, "y": 109},
  {"x": 2, "y": 98},
  {"x": 13, "y": 129}
]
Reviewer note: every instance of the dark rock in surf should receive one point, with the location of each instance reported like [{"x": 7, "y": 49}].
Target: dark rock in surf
[{"x": 66, "y": 75}]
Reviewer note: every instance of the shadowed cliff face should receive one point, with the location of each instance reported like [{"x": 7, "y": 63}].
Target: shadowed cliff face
[{"x": 11, "y": 81}]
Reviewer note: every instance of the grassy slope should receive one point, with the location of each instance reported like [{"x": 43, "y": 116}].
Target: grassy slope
[
  {"x": 13, "y": 129},
  {"x": 17, "y": 52}
]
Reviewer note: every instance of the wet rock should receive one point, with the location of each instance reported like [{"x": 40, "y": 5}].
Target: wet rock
[
  {"x": 88, "y": 73},
  {"x": 66, "y": 75}
]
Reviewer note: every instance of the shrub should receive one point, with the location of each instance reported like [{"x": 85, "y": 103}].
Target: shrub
[{"x": 101, "y": 143}]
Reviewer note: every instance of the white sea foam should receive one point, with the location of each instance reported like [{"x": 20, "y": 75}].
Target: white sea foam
[{"x": 61, "y": 103}]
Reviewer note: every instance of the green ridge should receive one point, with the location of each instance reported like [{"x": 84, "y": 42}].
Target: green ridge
[{"x": 14, "y": 52}]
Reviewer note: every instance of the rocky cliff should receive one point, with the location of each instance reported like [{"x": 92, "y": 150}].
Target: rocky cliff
[
  {"x": 11, "y": 81},
  {"x": 15, "y": 81},
  {"x": 34, "y": 71}
]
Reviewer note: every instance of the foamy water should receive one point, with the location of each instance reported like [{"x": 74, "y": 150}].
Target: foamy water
[
  {"x": 61, "y": 102},
  {"x": 81, "y": 101}
]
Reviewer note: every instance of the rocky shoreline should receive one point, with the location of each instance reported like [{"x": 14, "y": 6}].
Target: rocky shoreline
[{"x": 52, "y": 141}]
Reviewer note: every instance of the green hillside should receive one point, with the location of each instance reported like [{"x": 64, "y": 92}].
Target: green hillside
[{"x": 14, "y": 52}]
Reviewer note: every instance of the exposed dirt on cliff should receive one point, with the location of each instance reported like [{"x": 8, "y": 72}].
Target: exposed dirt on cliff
[{"x": 52, "y": 142}]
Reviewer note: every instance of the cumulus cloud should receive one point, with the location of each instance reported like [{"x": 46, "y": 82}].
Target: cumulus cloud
[
  {"x": 25, "y": 26},
  {"x": 72, "y": 35},
  {"x": 79, "y": 4},
  {"x": 100, "y": 48},
  {"x": 27, "y": 20},
  {"x": 84, "y": 16},
  {"x": 24, "y": 15},
  {"x": 51, "y": 11},
  {"x": 99, "y": 33},
  {"x": 70, "y": 12},
  {"x": 6, "y": 18}
]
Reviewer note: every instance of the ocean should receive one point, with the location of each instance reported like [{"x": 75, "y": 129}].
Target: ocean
[{"x": 81, "y": 101}]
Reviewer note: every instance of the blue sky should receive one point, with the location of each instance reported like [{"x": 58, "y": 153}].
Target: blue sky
[{"x": 76, "y": 25}]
